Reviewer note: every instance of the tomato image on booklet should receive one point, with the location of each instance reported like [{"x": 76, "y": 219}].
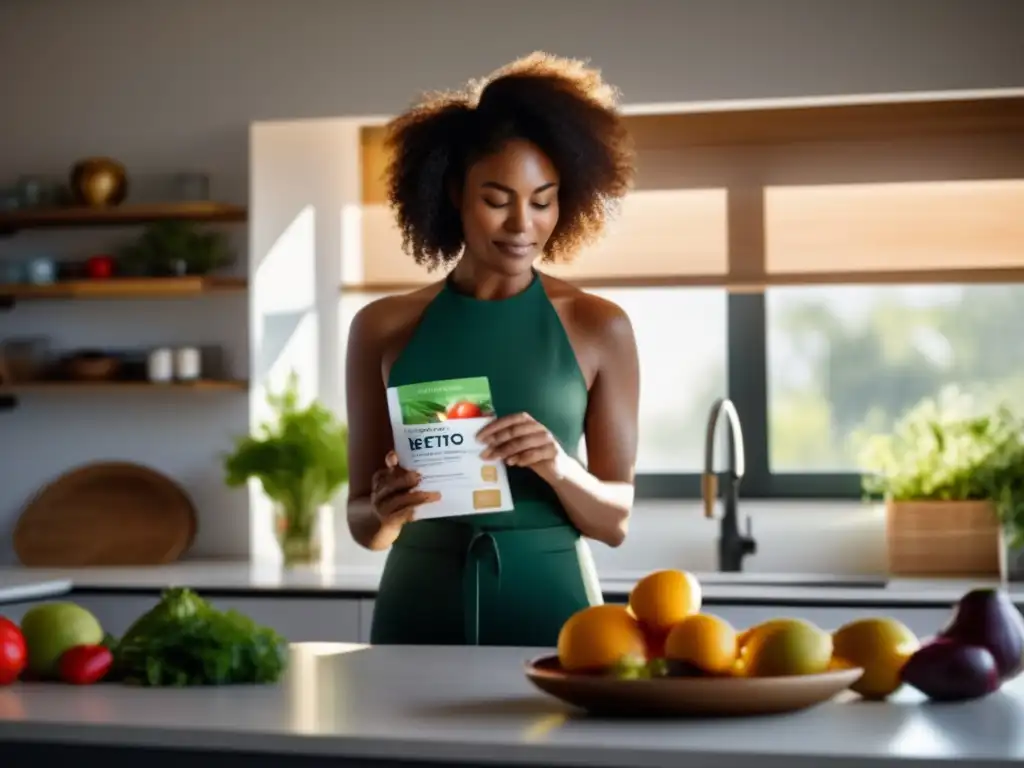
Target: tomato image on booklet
[{"x": 464, "y": 410}]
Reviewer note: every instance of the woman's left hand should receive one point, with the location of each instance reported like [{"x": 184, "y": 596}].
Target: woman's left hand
[{"x": 521, "y": 441}]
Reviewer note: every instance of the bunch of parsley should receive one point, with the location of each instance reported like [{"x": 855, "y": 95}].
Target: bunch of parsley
[
  {"x": 300, "y": 458},
  {"x": 184, "y": 641}
]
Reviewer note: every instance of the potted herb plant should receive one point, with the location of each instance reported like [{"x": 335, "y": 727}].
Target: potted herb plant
[
  {"x": 301, "y": 462},
  {"x": 176, "y": 249},
  {"x": 952, "y": 476}
]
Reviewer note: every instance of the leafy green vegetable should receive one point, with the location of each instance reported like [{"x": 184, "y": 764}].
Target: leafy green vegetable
[
  {"x": 421, "y": 411},
  {"x": 950, "y": 448},
  {"x": 184, "y": 641},
  {"x": 301, "y": 460}
]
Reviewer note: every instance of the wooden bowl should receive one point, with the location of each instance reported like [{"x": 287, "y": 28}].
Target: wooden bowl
[
  {"x": 93, "y": 367},
  {"x": 687, "y": 696}
]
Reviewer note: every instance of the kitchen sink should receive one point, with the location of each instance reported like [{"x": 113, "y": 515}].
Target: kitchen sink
[{"x": 795, "y": 581}]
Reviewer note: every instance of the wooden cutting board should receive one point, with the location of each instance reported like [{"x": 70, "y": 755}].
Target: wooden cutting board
[{"x": 106, "y": 514}]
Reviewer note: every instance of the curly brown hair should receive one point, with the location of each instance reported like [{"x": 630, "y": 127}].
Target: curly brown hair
[{"x": 560, "y": 105}]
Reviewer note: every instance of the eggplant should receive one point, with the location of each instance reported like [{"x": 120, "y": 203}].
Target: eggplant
[
  {"x": 988, "y": 618},
  {"x": 944, "y": 669}
]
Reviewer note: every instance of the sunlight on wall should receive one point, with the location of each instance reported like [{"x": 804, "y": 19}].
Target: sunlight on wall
[{"x": 286, "y": 338}]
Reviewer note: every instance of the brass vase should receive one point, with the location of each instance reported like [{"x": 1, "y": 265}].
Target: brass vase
[{"x": 99, "y": 182}]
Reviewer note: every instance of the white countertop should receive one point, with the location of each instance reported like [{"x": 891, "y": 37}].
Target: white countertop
[
  {"x": 475, "y": 705},
  {"x": 214, "y": 576},
  {"x": 19, "y": 585}
]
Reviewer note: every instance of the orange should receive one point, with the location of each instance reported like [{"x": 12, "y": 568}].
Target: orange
[
  {"x": 598, "y": 637},
  {"x": 662, "y": 598},
  {"x": 704, "y": 641}
]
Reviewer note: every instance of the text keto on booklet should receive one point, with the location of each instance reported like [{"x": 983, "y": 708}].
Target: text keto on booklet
[{"x": 435, "y": 425}]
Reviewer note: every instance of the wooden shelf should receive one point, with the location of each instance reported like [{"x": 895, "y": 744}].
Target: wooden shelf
[
  {"x": 45, "y": 387},
  {"x": 124, "y": 288},
  {"x": 119, "y": 216}
]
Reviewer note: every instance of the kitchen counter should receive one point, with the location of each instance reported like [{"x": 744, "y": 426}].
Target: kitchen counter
[
  {"x": 246, "y": 579},
  {"x": 24, "y": 585},
  {"x": 359, "y": 705}
]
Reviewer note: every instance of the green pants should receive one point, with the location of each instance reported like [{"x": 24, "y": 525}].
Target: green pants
[{"x": 448, "y": 583}]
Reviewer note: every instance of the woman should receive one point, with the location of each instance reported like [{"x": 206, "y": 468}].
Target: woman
[{"x": 523, "y": 166}]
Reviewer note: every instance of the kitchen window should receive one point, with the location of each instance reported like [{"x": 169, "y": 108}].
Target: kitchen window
[{"x": 824, "y": 267}]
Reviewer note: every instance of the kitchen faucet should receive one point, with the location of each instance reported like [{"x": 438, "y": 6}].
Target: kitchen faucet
[{"x": 732, "y": 545}]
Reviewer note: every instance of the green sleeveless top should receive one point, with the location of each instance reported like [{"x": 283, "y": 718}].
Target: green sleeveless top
[{"x": 520, "y": 344}]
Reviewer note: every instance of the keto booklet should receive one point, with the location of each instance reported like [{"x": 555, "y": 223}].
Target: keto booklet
[{"x": 435, "y": 425}]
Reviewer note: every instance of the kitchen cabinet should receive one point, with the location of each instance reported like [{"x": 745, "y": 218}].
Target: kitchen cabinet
[
  {"x": 365, "y": 620},
  {"x": 299, "y": 619},
  {"x": 924, "y": 622},
  {"x": 348, "y": 620}
]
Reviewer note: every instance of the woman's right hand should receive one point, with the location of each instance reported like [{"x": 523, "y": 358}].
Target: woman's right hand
[{"x": 394, "y": 497}]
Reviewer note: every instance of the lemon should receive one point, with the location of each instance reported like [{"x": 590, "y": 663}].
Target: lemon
[{"x": 879, "y": 645}]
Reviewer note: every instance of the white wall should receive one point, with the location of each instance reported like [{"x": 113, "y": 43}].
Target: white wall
[{"x": 174, "y": 86}]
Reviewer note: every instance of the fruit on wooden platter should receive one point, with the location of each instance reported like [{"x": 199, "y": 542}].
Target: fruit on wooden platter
[
  {"x": 661, "y": 600},
  {"x": 879, "y": 645},
  {"x": 785, "y": 646},
  {"x": 664, "y": 631},
  {"x": 702, "y": 643},
  {"x": 601, "y": 638}
]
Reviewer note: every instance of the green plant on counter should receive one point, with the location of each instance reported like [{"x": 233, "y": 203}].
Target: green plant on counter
[
  {"x": 950, "y": 449},
  {"x": 301, "y": 461},
  {"x": 185, "y": 641}
]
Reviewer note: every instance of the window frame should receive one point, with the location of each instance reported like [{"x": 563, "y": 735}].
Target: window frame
[
  {"x": 747, "y": 150},
  {"x": 747, "y": 387}
]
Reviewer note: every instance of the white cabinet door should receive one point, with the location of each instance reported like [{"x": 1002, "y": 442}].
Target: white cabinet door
[
  {"x": 296, "y": 619},
  {"x": 365, "y": 620}
]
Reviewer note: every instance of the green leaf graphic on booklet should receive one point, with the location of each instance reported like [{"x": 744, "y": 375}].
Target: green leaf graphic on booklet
[{"x": 434, "y": 402}]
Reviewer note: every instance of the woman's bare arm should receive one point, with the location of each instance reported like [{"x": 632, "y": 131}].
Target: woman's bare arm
[
  {"x": 369, "y": 433},
  {"x": 599, "y": 498}
]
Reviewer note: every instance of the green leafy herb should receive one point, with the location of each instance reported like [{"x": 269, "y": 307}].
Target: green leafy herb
[
  {"x": 184, "y": 641},
  {"x": 301, "y": 460},
  {"x": 948, "y": 448}
]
